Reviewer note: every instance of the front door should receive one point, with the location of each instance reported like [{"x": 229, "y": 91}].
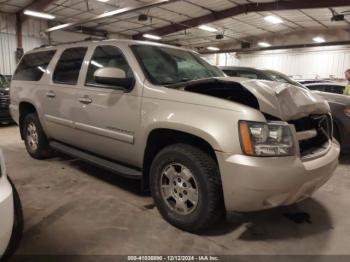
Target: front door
[{"x": 109, "y": 115}]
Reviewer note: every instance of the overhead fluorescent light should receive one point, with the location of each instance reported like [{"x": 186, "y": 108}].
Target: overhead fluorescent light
[
  {"x": 207, "y": 28},
  {"x": 58, "y": 27},
  {"x": 114, "y": 12},
  {"x": 264, "y": 44},
  {"x": 103, "y": 1},
  {"x": 96, "y": 64},
  {"x": 213, "y": 48},
  {"x": 273, "y": 19},
  {"x": 38, "y": 14},
  {"x": 154, "y": 37},
  {"x": 319, "y": 39},
  {"x": 41, "y": 69}
]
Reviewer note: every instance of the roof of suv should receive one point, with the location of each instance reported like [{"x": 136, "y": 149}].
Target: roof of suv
[{"x": 93, "y": 42}]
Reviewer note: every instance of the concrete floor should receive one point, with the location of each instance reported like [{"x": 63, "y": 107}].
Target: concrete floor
[{"x": 73, "y": 208}]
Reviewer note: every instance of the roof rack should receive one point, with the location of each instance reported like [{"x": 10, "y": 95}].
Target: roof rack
[{"x": 74, "y": 42}]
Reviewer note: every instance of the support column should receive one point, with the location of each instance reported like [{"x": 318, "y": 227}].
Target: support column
[{"x": 19, "y": 51}]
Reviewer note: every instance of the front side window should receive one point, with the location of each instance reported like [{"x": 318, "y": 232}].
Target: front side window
[
  {"x": 163, "y": 65},
  {"x": 106, "y": 56},
  {"x": 68, "y": 67},
  {"x": 33, "y": 66}
]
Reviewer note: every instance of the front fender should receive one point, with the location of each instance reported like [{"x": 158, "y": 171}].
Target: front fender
[{"x": 217, "y": 126}]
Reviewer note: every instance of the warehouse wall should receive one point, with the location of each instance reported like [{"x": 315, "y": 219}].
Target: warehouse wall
[
  {"x": 316, "y": 62},
  {"x": 8, "y": 43}
]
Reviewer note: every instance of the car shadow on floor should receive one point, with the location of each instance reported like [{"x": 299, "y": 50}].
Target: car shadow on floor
[
  {"x": 303, "y": 219},
  {"x": 131, "y": 185},
  {"x": 344, "y": 159},
  {"x": 297, "y": 221}
]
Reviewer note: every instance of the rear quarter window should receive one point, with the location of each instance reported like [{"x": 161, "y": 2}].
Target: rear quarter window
[{"x": 33, "y": 66}]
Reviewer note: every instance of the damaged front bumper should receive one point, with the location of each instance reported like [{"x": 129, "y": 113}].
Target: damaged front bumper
[{"x": 256, "y": 183}]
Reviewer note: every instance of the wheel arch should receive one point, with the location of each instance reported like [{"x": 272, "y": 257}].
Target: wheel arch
[
  {"x": 25, "y": 108},
  {"x": 159, "y": 138}
]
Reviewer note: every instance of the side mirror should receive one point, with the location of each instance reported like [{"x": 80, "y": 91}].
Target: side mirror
[{"x": 113, "y": 76}]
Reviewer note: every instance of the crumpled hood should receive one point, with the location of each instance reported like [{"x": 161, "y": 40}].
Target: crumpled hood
[{"x": 282, "y": 100}]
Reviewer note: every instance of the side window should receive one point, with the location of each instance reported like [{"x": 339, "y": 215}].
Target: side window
[
  {"x": 247, "y": 74},
  {"x": 33, "y": 66},
  {"x": 317, "y": 88},
  {"x": 106, "y": 56},
  {"x": 68, "y": 67},
  {"x": 335, "y": 89},
  {"x": 230, "y": 72}
]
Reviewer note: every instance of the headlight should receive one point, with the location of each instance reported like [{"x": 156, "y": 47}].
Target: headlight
[
  {"x": 266, "y": 139},
  {"x": 347, "y": 111}
]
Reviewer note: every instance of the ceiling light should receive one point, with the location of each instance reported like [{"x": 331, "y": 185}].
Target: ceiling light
[
  {"x": 114, "y": 12},
  {"x": 58, "y": 27},
  {"x": 273, "y": 19},
  {"x": 96, "y": 64},
  {"x": 213, "y": 48},
  {"x": 319, "y": 39},
  {"x": 38, "y": 14},
  {"x": 103, "y": 1},
  {"x": 207, "y": 28},
  {"x": 264, "y": 44},
  {"x": 154, "y": 37}
]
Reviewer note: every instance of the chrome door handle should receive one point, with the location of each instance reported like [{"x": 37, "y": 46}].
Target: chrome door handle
[
  {"x": 51, "y": 94},
  {"x": 85, "y": 100}
]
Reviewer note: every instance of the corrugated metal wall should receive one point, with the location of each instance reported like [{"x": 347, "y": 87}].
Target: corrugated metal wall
[
  {"x": 316, "y": 62},
  {"x": 8, "y": 43}
]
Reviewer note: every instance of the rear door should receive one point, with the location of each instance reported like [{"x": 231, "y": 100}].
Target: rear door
[
  {"x": 108, "y": 116},
  {"x": 60, "y": 101}
]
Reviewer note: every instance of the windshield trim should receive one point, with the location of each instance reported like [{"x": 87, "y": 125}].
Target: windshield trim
[{"x": 151, "y": 79}]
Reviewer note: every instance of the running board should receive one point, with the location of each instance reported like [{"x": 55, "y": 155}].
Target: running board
[{"x": 98, "y": 161}]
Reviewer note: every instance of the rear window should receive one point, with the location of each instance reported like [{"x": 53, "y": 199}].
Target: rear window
[
  {"x": 33, "y": 66},
  {"x": 68, "y": 67}
]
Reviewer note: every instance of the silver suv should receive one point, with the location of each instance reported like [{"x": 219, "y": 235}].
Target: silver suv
[{"x": 202, "y": 142}]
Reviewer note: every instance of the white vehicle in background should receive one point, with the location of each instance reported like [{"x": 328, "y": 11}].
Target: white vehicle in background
[{"x": 11, "y": 217}]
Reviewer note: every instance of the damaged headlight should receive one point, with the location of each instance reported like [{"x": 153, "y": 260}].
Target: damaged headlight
[{"x": 266, "y": 139}]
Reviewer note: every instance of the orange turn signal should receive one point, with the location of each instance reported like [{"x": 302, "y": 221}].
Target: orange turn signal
[{"x": 246, "y": 141}]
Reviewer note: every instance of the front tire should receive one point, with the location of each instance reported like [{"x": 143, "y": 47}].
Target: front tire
[
  {"x": 36, "y": 141},
  {"x": 186, "y": 187}
]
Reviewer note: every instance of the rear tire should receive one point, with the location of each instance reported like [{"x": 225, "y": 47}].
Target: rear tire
[
  {"x": 36, "y": 141},
  {"x": 186, "y": 187},
  {"x": 17, "y": 229}
]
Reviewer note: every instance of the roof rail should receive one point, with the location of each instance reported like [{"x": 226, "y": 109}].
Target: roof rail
[{"x": 74, "y": 42}]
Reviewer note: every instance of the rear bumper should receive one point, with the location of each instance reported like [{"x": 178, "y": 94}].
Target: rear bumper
[
  {"x": 6, "y": 209},
  {"x": 255, "y": 183}
]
